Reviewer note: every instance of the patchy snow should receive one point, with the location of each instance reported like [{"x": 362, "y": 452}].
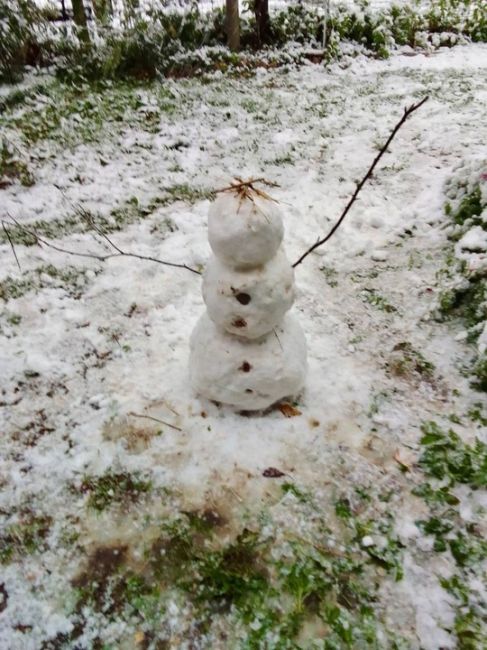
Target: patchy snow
[{"x": 87, "y": 351}]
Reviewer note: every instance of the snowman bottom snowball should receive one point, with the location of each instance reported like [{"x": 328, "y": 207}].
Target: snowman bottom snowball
[{"x": 249, "y": 375}]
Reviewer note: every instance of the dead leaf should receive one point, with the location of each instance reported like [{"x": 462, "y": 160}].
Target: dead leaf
[
  {"x": 139, "y": 637},
  {"x": 288, "y": 410},
  {"x": 273, "y": 472},
  {"x": 402, "y": 463}
]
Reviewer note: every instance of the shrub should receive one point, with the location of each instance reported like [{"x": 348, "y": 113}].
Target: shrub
[{"x": 19, "y": 20}]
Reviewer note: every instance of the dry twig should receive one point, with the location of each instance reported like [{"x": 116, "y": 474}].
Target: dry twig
[
  {"x": 5, "y": 230},
  {"x": 320, "y": 242},
  {"x": 247, "y": 190},
  {"x": 150, "y": 417},
  {"x": 40, "y": 241}
]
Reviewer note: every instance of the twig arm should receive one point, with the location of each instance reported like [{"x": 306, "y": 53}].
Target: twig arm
[
  {"x": 407, "y": 112},
  {"x": 101, "y": 258}
]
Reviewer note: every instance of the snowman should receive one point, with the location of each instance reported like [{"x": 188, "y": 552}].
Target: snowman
[{"x": 247, "y": 350}]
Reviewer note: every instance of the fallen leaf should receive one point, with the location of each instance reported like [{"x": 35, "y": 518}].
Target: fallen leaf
[
  {"x": 404, "y": 466},
  {"x": 139, "y": 637},
  {"x": 272, "y": 472},
  {"x": 288, "y": 410}
]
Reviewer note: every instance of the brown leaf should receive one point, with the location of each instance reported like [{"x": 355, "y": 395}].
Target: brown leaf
[
  {"x": 288, "y": 410},
  {"x": 139, "y": 637},
  {"x": 272, "y": 472},
  {"x": 405, "y": 467}
]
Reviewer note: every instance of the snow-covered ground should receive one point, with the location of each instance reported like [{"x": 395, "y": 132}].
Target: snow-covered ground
[{"x": 88, "y": 345}]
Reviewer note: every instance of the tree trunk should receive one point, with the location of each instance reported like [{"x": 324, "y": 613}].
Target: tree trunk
[
  {"x": 262, "y": 22},
  {"x": 232, "y": 24},
  {"x": 81, "y": 22}
]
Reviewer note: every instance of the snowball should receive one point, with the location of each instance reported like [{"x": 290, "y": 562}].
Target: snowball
[
  {"x": 247, "y": 374},
  {"x": 244, "y": 232},
  {"x": 251, "y": 302}
]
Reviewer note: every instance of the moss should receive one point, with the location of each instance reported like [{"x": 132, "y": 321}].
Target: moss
[
  {"x": 470, "y": 207},
  {"x": 114, "y": 488},
  {"x": 25, "y": 537}
]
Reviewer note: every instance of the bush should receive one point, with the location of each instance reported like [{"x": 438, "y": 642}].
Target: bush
[
  {"x": 465, "y": 295},
  {"x": 158, "y": 41},
  {"x": 19, "y": 20}
]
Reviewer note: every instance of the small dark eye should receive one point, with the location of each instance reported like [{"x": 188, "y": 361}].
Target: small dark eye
[{"x": 243, "y": 298}]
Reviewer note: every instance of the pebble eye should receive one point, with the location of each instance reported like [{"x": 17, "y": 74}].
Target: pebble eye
[{"x": 243, "y": 298}]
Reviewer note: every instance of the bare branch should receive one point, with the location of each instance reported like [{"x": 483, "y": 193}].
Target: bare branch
[
  {"x": 101, "y": 258},
  {"x": 407, "y": 112},
  {"x": 5, "y": 230}
]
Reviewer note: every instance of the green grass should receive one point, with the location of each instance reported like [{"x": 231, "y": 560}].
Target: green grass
[
  {"x": 25, "y": 537},
  {"x": 71, "y": 279},
  {"x": 131, "y": 211},
  {"x": 266, "y": 584},
  {"x": 374, "y": 298},
  {"x": 446, "y": 457},
  {"x": 114, "y": 489},
  {"x": 447, "y": 462},
  {"x": 465, "y": 295},
  {"x": 74, "y": 114}
]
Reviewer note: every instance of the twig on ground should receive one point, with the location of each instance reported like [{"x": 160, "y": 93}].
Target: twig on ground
[
  {"x": 5, "y": 230},
  {"x": 101, "y": 258},
  {"x": 149, "y": 417},
  {"x": 407, "y": 112}
]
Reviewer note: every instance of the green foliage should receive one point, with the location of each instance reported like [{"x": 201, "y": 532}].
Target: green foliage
[
  {"x": 447, "y": 457},
  {"x": 114, "y": 488},
  {"x": 24, "y": 537},
  {"x": 71, "y": 279},
  {"x": 12, "y": 168},
  {"x": 469, "y": 208},
  {"x": 374, "y": 298},
  {"x": 161, "y": 41},
  {"x": 469, "y": 627},
  {"x": 480, "y": 373},
  {"x": 266, "y": 584},
  {"x": 19, "y": 21},
  {"x": 297, "y": 23},
  {"x": 465, "y": 296},
  {"x": 70, "y": 115}
]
